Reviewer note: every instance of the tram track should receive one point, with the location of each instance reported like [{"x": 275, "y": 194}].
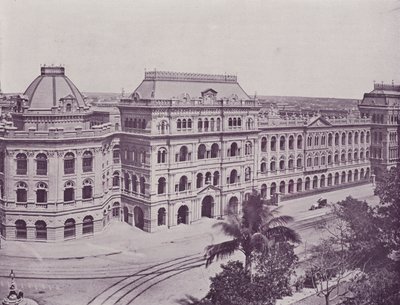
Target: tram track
[{"x": 118, "y": 292}]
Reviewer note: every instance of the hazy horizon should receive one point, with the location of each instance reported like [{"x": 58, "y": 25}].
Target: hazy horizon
[{"x": 276, "y": 48}]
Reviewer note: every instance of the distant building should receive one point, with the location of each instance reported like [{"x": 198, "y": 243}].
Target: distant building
[
  {"x": 182, "y": 146},
  {"x": 382, "y": 106}
]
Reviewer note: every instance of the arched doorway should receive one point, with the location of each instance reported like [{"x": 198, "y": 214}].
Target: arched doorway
[
  {"x": 126, "y": 215},
  {"x": 139, "y": 217},
  {"x": 233, "y": 205},
  {"x": 161, "y": 217},
  {"x": 207, "y": 206},
  {"x": 183, "y": 215}
]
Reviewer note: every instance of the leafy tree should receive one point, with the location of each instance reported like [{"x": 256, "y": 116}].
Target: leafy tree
[
  {"x": 388, "y": 190},
  {"x": 256, "y": 231}
]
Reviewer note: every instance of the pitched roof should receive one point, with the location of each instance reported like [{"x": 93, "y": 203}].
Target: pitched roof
[{"x": 170, "y": 85}]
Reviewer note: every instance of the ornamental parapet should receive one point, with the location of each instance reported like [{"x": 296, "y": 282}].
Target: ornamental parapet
[
  {"x": 188, "y": 103},
  {"x": 56, "y": 132},
  {"x": 298, "y": 121}
]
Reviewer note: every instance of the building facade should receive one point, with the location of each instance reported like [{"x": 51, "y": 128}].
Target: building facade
[{"x": 184, "y": 146}]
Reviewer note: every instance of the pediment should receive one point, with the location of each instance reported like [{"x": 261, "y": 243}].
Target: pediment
[
  {"x": 319, "y": 122},
  {"x": 209, "y": 188},
  {"x": 209, "y": 91}
]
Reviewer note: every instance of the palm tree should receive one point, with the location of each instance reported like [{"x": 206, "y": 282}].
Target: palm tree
[{"x": 257, "y": 230}]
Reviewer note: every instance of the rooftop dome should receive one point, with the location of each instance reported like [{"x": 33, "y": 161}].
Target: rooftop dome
[{"x": 52, "y": 89}]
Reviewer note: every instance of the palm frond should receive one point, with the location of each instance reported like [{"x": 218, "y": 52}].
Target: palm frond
[
  {"x": 229, "y": 228},
  {"x": 221, "y": 250},
  {"x": 259, "y": 242},
  {"x": 279, "y": 221},
  {"x": 282, "y": 233}
]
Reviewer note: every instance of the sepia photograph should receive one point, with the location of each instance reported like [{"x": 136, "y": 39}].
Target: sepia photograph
[{"x": 200, "y": 152}]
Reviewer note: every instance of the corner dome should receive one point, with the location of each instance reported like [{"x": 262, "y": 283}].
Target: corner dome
[{"x": 53, "y": 90}]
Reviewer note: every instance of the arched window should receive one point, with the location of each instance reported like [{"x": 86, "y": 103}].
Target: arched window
[
  {"x": 41, "y": 230},
  {"x": 282, "y": 164},
  {"x": 41, "y": 192},
  {"x": 87, "y": 162},
  {"x": 323, "y": 160},
  {"x": 20, "y": 229},
  {"x": 69, "y": 163},
  {"x": 316, "y": 141},
  {"x": 273, "y": 144},
  {"x": 134, "y": 183},
  {"x": 350, "y": 176},
  {"x": 233, "y": 177},
  {"x": 239, "y": 122},
  {"x": 178, "y": 124},
  {"x": 69, "y": 228},
  {"x": 216, "y": 178},
  {"x": 330, "y": 139},
  {"x": 272, "y": 189},
  {"x": 247, "y": 174},
  {"x": 299, "y": 142},
  {"x": 87, "y": 225},
  {"x": 291, "y": 186},
  {"x": 248, "y": 149},
  {"x": 291, "y": 163},
  {"x": 330, "y": 158},
  {"x": 206, "y": 125},
  {"x": 367, "y": 137},
  {"x": 68, "y": 107},
  {"x": 264, "y": 191},
  {"x": 127, "y": 182},
  {"x": 116, "y": 179},
  {"x": 272, "y": 165},
  {"x": 343, "y": 139},
  {"x": 143, "y": 124},
  {"x": 22, "y": 164},
  {"x": 189, "y": 124},
  {"x": 218, "y": 124},
  {"x": 162, "y": 155},
  {"x": 69, "y": 191},
  {"x": 263, "y": 166},
  {"x": 234, "y": 150},
  {"x": 87, "y": 190},
  {"x": 299, "y": 162},
  {"x": 299, "y": 185},
  {"x": 336, "y": 139},
  {"x": 362, "y": 137},
  {"x": 199, "y": 180},
  {"x": 282, "y": 187},
  {"x": 234, "y": 122},
  {"x": 201, "y": 152},
  {"x": 309, "y": 141},
  {"x": 183, "y": 184},
  {"x": 214, "y": 150},
  {"x": 282, "y": 143},
  {"x": 356, "y": 138},
  {"x": 208, "y": 178},
  {"x": 41, "y": 164},
  {"x": 142, "y": 185},
  {"x": 337, "y": 176},
  {"x": 291, "y": 142},
  {"x": 316, "y": 161},
  {"x": 143, "y": 157},
  {"x": 212, "y": 124},
  {"x": 200, "y": 125},
  {"x": 343, "y": 157},
  {"x": 263, "y": 144},
  {"x": 323, "y": 140},
  {"x": 22, "y": 192},
  {"x": 309, "y": 161},
  {"x": 116, "y": 154},
  {"x": 315, "y": 182},
  {"x": 163, "y": 127},
  {"x": 115, "y": 210},
  {"x": 183, "y": 154},
  {"x": 350, "y": 138}
]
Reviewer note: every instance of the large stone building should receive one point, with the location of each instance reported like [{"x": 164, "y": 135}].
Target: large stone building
[{"x": 183, "y": 146}]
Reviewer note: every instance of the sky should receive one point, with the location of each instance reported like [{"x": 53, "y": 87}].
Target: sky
[{"x": 317, "y": 48}]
